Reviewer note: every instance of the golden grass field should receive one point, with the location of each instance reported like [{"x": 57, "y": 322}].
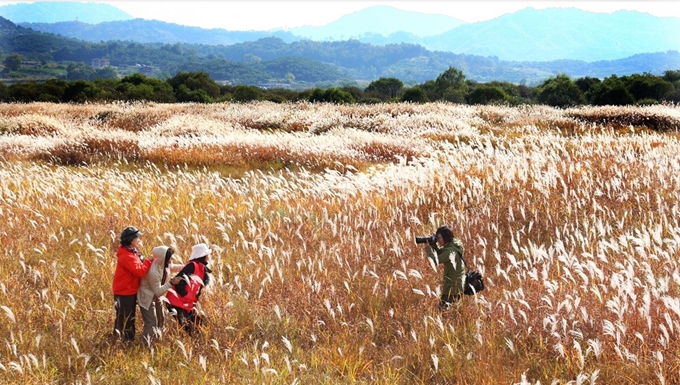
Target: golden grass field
[{"x": 571, "y": 215}]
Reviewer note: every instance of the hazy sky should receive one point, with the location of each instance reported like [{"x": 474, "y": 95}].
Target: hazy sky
[{"x": 265, "y": 15}]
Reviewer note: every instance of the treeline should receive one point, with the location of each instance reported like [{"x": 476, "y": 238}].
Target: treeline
[{"x": 451, "y": 86}]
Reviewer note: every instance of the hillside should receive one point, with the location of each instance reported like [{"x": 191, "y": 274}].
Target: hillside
[
  {"x": 413, "y": 63},
  {"x": 527, "y": 35},
  {"x": 554, "y": 34},
  {"x": 153, "y": 31},
  {"x": 53, "y": 12},
  {"x": 380, "y": 20},
  {"x": 32, "y": 44},
  {"x": 321, "y": 63}
]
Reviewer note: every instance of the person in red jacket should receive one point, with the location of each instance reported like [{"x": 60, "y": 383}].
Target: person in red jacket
[
  {"x": 131, "y": 267},
  {"x": 183, "y": 297}
]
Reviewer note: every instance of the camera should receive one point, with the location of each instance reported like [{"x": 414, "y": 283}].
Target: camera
[{"x": 431, "y": 239}]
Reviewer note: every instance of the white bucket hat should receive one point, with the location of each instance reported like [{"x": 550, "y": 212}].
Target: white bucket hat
[{"x": 199, "y": 251}]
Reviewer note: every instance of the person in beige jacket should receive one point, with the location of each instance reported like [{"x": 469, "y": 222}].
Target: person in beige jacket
[{"x": 152, "y": 287}]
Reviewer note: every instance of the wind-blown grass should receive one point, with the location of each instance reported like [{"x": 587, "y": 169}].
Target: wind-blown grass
[{"x": 312, "y": 211}]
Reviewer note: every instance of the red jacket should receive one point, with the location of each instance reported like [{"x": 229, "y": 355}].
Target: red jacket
[
  {"x": 129, "y": 270},
  {"x": 193, "y": 289}
]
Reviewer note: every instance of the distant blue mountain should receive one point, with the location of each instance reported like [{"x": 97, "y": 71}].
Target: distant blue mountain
[
  {"x": 528, "y": 35},
  {"x": 330, "y": 62},
  {"x": 54, "y": 12},
  {"x": 153, "y": 31},
  {"x": 381, "y": 20},
  {"x": 562, "y": 33}
]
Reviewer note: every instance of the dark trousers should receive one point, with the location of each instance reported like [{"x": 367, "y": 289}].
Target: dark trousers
[
  {"x": 160, "y": 316},
  {"x": 189, "y": 320},
  {"x": 126, "y": 305}
]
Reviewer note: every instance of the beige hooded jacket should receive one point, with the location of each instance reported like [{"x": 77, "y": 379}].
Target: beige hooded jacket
[{"x": 150, "y": 285}]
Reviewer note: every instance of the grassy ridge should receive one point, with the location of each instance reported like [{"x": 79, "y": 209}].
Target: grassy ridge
[{"x": 313, "y": 209}]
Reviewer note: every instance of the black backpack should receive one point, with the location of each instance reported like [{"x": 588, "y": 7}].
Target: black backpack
[{"x": 474, "y": 282}]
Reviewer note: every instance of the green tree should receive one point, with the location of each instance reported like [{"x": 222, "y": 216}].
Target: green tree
[
  {"x": 385, "y": 88},
  {"x": 193, "y": 83},
  {"x": 611, "y": 91},
  {"x": 140, "y": 87},
  {"x": 107, "y": 72},
  {"x": 648, "y": 86},
  {"x": 316, "y": 96},
  {"x": 250, "y": 58},
  {"x": 672, "y": 76},
  {"x": 12, "y": 62},
  {"x": 487, "y": 94},
  {"x": 451, "y": 86},
  {"x": 414, "y": 95},
  {"x": 4, "y": 93},
  {"x": 356, "y": 92},
  {"x": 78, "y": 71},
  {"x": 24, "y": 92},
  {"x": 430, "y": 90},
  {"x": 674, "y": 96},
  {"x": 81, "y": 91},
  {"x": 282, "y": 95},
  {"x": 526, "y": 92},
  {"x": 49, "y": 91},
  {"x": 185, "y": 94},
  {"x": 560, "y": 91},
  {"x": 243, "y": 93},
  {"x": 331, "y": 95},
  {"x": 510, "y": 89},
  {"x": 176, "y": 49},
  {"x": 586, "y": 85},
  {"x": 129, "y": 91},
  {"x": 135, "y": 79},
  {"x": 53, "y": 90}
]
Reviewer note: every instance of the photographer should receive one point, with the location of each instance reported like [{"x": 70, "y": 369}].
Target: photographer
[{"x": 444, "y": 249}]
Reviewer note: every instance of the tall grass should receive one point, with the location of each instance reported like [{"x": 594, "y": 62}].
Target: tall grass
[{"x": 312, "y": 210}]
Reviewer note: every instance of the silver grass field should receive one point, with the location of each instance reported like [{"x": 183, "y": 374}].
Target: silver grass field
[{"x": 571, "y": 215}]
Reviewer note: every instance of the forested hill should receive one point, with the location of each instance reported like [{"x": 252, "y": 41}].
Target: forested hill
[
  {"x": 569, "y": 33},
  {"x": 25, "y": 41},
  {"x": 55, "y": 11},
  {"x": 153, "y": 31},
  {"x": 321, "y": 63},
  {"x": 526, "y": 35}
]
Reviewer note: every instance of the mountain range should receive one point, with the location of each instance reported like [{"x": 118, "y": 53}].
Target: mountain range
[
  {"x": 54, "y": 12},
  {"x": 396, "y": 25},
  {"x": 526, "y": 35},
  {"x": 524, "y": 47}
]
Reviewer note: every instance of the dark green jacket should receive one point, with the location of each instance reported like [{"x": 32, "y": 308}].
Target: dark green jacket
[{"x": 451, "y": 256}]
